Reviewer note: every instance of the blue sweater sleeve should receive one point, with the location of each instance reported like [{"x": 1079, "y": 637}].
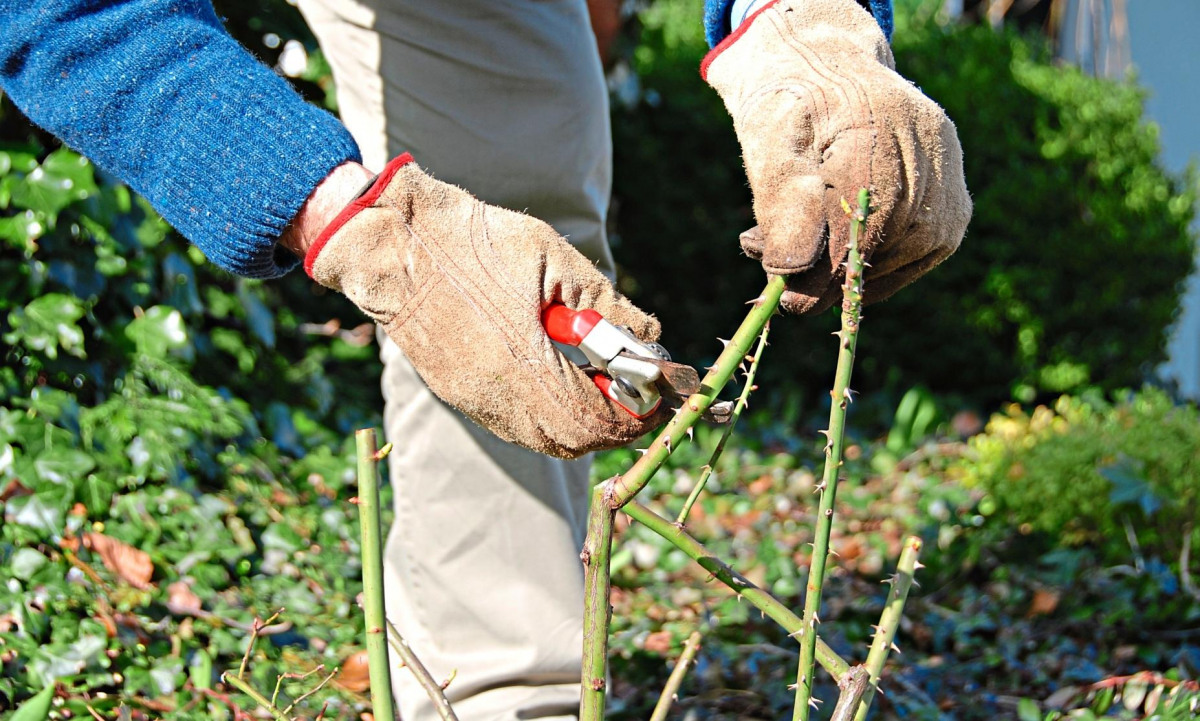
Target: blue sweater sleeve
[
  {"x": 716, "y": 18},
  {"x": 157, "y": 93}
]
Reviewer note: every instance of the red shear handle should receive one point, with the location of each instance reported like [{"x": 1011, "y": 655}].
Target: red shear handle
[{"x": 564, "y": 325}]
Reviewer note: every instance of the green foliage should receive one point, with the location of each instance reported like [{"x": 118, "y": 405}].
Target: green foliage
[
  {"x": 1071, "y": 269},
  {"x": 148, "y": 396},
  {"x": 1089, "y": 471}
]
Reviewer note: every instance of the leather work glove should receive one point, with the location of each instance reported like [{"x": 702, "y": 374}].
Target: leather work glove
[
  {"x": 460, "y": 286},
  {"x": 820, "y": 113}
]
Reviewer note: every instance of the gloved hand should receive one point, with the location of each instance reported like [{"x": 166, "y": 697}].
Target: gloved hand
[
  {"x": 821, "y": 113},
  {"x": 460, "y": 286}
]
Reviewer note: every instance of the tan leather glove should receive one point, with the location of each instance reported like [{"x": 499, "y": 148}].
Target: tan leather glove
[
  {"x": 460, "y": 286},
  {"x": 821, "y": 113}
]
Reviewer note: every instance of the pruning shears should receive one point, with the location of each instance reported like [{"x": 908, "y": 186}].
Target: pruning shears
[{"x": 632, "y": 373}]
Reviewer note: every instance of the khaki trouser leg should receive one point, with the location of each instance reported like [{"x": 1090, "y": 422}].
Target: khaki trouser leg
[{"x": 506, "y": 99}]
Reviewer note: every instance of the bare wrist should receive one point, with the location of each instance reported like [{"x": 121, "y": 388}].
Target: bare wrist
[{"x": 328, "y": 199}]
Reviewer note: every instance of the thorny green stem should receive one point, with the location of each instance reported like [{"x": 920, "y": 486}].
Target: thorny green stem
[
  {"x": 623, "y": 488},
  {"x": 597, "y": 548},
  {"x": 759, "y": 598},
  {"x": 848, "y": 339},
  {"x": 424, "y": 678},
  {"x": 747, "y": 388},
  {"x": 616, "y": 492},
  {"x": 244, "y": 686},
  {"x": 889, "y": 620},
  {"x": 372, "y": 572},
  {"x": 690, "y": 648}
]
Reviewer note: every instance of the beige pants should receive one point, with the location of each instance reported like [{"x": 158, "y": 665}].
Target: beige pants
[{"x": 507, "y": 99}]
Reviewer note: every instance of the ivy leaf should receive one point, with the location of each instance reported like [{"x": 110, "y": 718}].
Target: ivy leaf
[
  {"x": 36, "y": 708},
  {"x": 63, "y": 178},
  {"x": 258, "y": 316},
  {"x": 1129, "y": 487},
  {"x": 56, "y": 660},
  {"x": 48, "y": 323},
  {"x": 26, "y": 562},
  {"x": 34, "y": 512},
  {"x": 63, "y": 465},
  {"x": 159, "y": 332}
]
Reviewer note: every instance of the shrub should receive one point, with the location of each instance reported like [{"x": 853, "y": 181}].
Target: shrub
[
  {"x": 1068, "y": 277},
  {"x": 1089, "y": 471}
]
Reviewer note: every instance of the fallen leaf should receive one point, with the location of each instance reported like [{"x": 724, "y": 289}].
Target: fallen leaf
[
  {"x": 355, "y": 675},
  {"x": 658, "y": 642},
  {"x": 131, "y": 565},
  {"x": 1061, "y": 698},
  {"x": 181, "y": 600},
  {"x": 1044, "y": 603},
  {"x": 14, "y": 489}
]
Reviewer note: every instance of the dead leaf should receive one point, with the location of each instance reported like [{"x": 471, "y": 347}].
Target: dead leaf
[
  {"x": 181, "y": 600},
  {"x": 658, "y": 642},
  {"x": 355, "y": 675},
  {"x": 14, "y": 489},
  {"x": 1061, "y": 698},
  {"x": 1044, "y": 603},
  {"x": 131, "y": 565}
]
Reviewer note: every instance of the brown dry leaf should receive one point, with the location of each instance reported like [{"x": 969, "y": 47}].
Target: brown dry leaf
[
  {"x": 131, "y": 565},
  {"x": 354, "y": 675},
  {"x": 181, "y": 600},
  {"x": 658, "y": 642},
  {"x": 14, "y": 489},
  {"x": 1044, "y": 603}
]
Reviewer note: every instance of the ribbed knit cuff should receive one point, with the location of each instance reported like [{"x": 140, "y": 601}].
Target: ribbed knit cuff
[
  {"x": 718, "y": 23},
  {"x": 242, "y": 194}
]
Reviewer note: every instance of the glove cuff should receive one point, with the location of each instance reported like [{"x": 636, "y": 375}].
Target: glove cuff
[
  {"x": 364, "y": 200},
  {"x": 731, "y": 38}
]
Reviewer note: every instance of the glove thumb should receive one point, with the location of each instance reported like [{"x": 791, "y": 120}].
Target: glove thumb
[{"x": 791, "y": 218}]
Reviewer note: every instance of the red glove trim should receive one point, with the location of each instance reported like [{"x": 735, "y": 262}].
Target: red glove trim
[
  {"x": 730, "y": 39},
  {"x": 362, "y": 202}
]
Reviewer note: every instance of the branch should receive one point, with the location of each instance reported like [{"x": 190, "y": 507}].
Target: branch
[
  {"x": 244, "y": 686},
  {"x": 690, "y": 649},
  {"x": 623, "y": 488},
  {"x": 733, "y": 419},
  {"x": 853, "y": 686},
  {"x": 424, "y": 678},
  {"x": 761, "y": 600},
  {"x": 597, "y": 548},
  {"x": 847, "y": 341},
  {"x": 372, "y": 573},
  {"x": 889, "y": 620}
]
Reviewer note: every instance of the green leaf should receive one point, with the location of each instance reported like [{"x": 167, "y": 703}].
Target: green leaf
[
  {"x": 36, "y": 708},
  {"x": 201, "y": 670},
  {"x": 1130, "y": 487},
  {"x": 63, "y": 178},
  {"x": 63, "y": 465},
  {"x": 26, "y": 562},
  {"x": 34, "y": 512},
  {"x": 1028, "y": 710},
  {"x": 159, "y": 332},
  {"x": 48, "y": 323}
]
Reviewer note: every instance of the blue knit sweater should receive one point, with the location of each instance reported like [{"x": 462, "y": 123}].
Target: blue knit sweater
[{"x": 157, "y": 93}]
